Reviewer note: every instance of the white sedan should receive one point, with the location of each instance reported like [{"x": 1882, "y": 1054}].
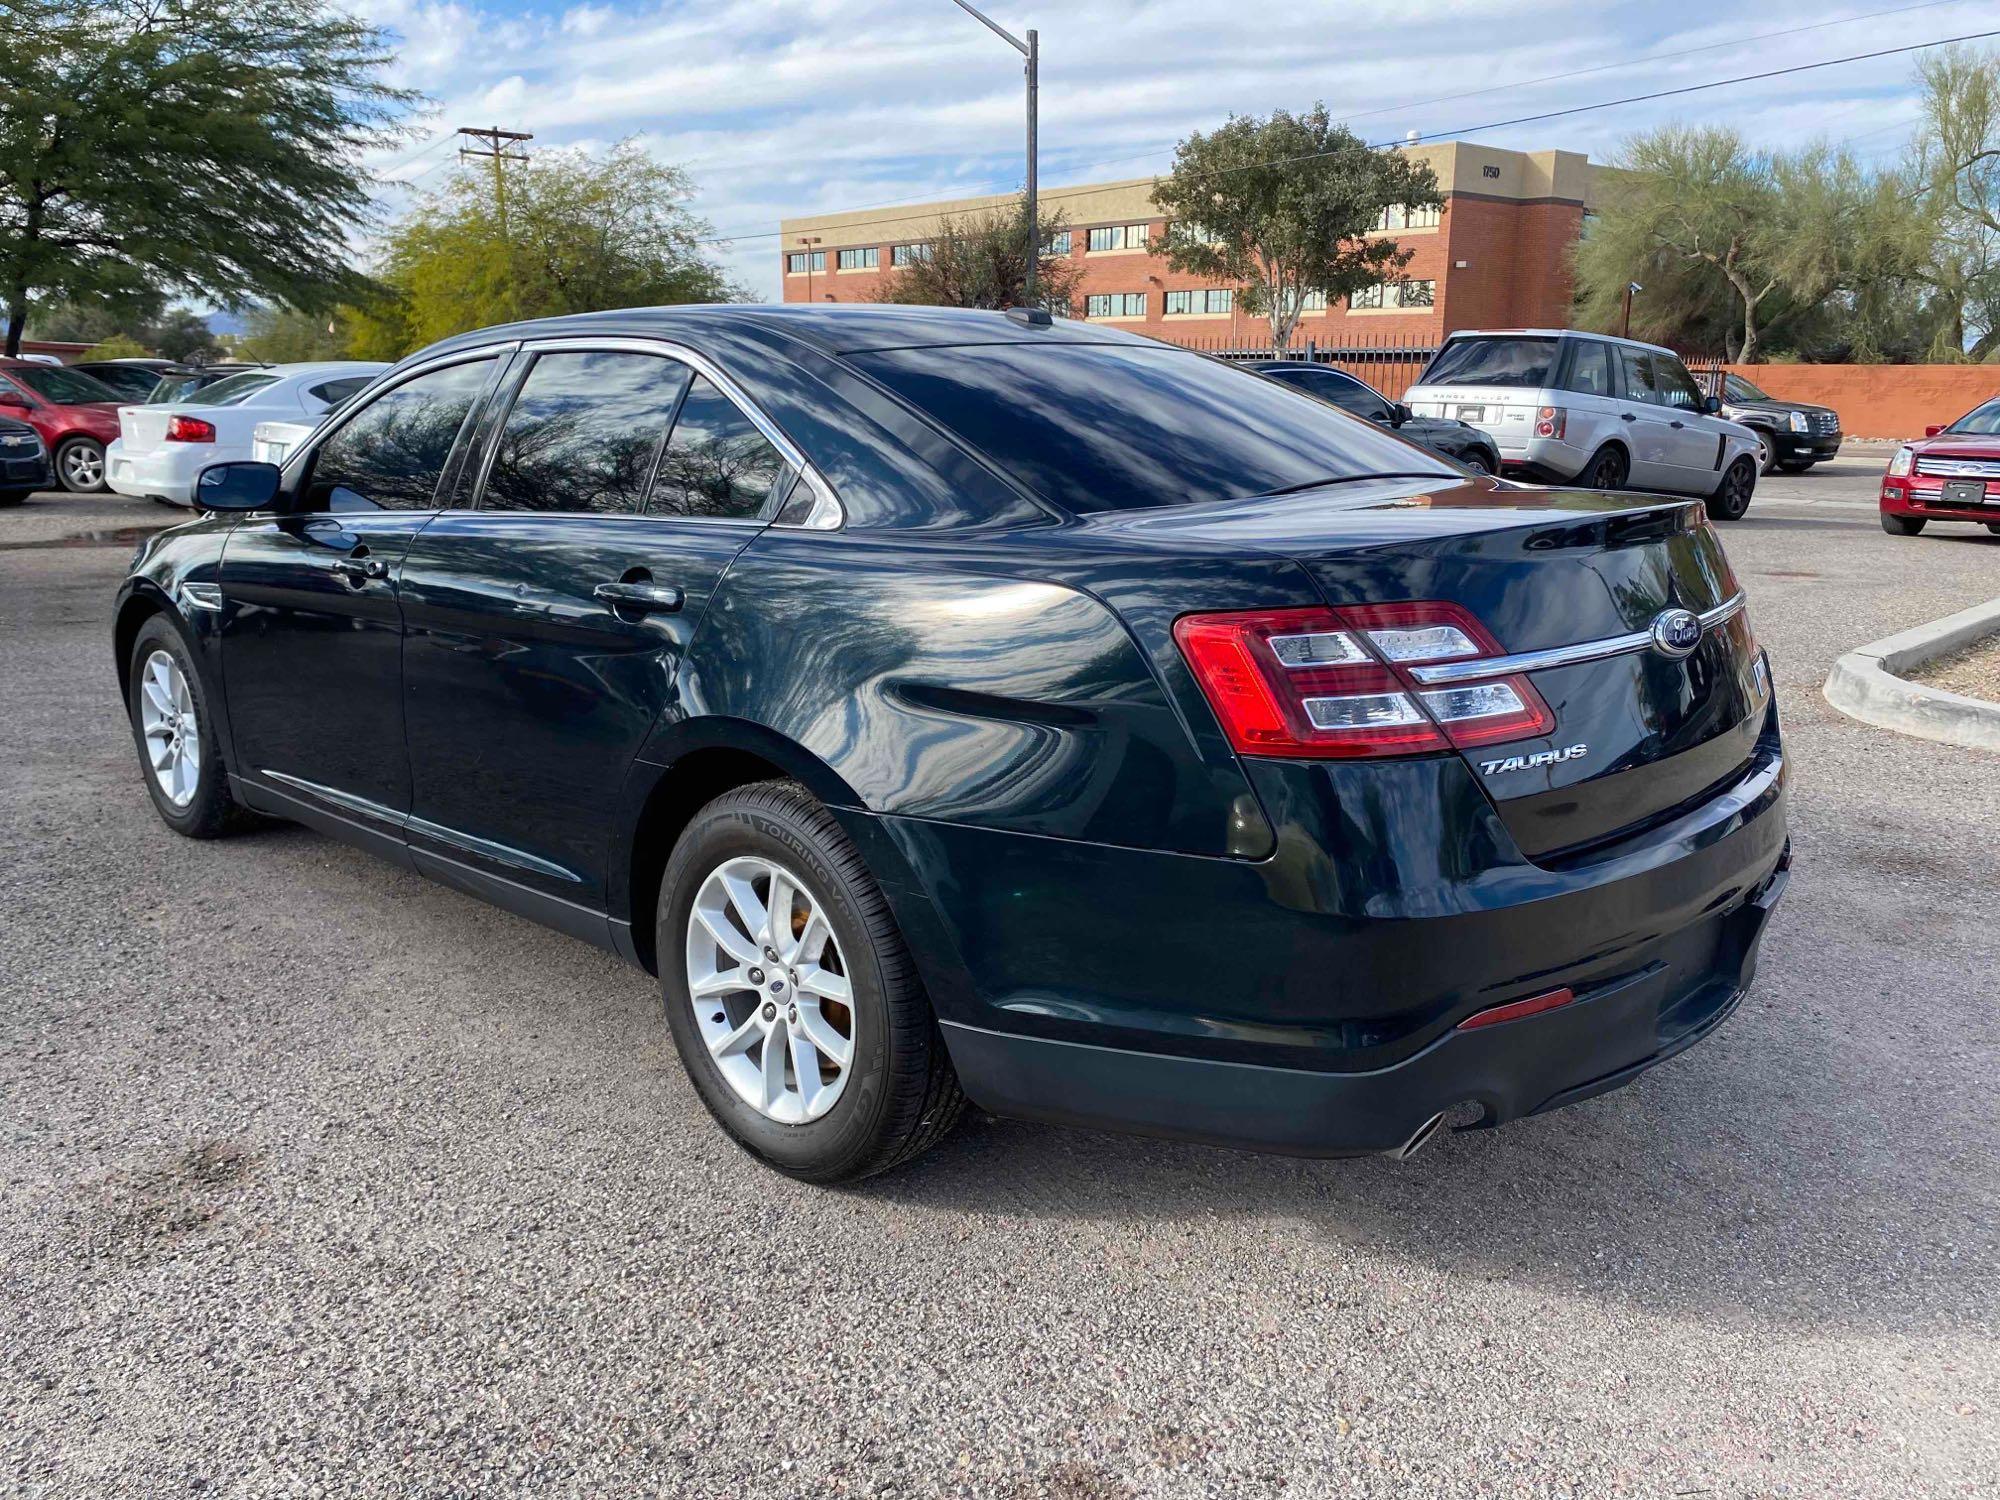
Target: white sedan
[{"x": 160, "y": 451}]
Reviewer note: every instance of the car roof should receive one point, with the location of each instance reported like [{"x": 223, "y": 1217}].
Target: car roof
[
  {"x": 832, "y": 328},
  {"x": 1558, "y": 333}
]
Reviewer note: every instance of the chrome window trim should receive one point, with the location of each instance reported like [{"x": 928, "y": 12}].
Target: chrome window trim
[
  {"x": 380, "y": 387},
  {"x": 1563, "y": 656},
  {"x": 827, "y": 513}
]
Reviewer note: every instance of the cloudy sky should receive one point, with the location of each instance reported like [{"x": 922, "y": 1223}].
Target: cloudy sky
[{"x": 780, "y": 107}]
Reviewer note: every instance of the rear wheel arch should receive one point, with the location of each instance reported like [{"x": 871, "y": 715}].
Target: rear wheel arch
[{"x": 1608, "y": 446}]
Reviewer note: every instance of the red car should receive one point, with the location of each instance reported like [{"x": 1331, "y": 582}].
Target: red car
[
  {"x": 75, "y": 415},
  {"x": 1952, "y": 475}
]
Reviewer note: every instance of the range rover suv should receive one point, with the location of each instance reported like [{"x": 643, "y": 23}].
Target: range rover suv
[
  {"x": 1588, "y": 409},
  {"x": 951, "y": 704}
]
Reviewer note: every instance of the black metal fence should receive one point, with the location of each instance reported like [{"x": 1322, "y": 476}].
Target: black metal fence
[{"x": 1390, "y": 364}]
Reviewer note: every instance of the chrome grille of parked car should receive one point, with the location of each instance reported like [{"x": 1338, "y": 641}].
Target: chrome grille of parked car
[
  {"x": 1958, "y": 468},
  {"x": 1825, "y": 421}
]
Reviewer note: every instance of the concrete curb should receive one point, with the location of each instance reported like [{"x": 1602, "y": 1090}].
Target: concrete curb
[{"x": 1865, "y": 684}]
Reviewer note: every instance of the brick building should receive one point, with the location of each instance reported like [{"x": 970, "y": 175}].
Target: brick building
[{"x": 1496, "y": 255}]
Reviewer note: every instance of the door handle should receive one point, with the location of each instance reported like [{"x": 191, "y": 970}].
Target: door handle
[
  {"x": 641, "y": 598},
  {"x": 1626, "y": 416},
  {"x": 358, "y": 570},
  {"x": 1677, "y": 425}
]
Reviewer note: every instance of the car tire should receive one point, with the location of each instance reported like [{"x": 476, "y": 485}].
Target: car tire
[
  {"x": 1481, "y": 462},
  {"x": 1732, "y": 496},
  {"x": 14, "y": 497},
  {"x": 1608, "y": 469},
  {"x": 1992, "y": 526},
  {"x": 80, "y": 466},
  {"x": 1767, "y": 454},
  {"x": 894, "y": 1095},
  {"x": 1796, "y": 465},
  {"x": 169, "y": 707},
  {"x": 1902, "y": 525}
]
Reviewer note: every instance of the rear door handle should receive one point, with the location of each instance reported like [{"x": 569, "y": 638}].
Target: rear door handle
[
  {"x": 1626, "y": 416},
  {"x": 642, "y": 598},
  {"x": 1677, "y": 424},
  {"x": 360, "y": 569}
]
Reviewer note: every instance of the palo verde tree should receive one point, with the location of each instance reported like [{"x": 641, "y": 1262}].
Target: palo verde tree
[
  {"x": 1955, "y": 168},
  {"x": 1283, "y": 208},
  {"x": 209, "y": 148},
  {"x": 981, "y": 260},
  {"x": 564, "y": 232}
]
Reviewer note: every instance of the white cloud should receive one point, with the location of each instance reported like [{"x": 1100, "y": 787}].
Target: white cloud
[{"x": 797, "y": 106}]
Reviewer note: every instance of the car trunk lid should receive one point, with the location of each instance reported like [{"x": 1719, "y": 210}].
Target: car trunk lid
[
  {"x": 1639, "y": 731},
  {"x": 143, "y": 429}
]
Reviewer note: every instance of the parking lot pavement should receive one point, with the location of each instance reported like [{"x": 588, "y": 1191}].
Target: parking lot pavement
[{"x": 316, "y": 1178}]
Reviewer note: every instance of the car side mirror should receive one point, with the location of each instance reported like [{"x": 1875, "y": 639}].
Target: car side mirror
[
  {"x": 1934, "y": 429},
  {"x": 1399, "y": 414},
  {"x": 237, "y": 486},
  {"x": 13, "y": 398},
  {"x": 1712, "y": 405}
]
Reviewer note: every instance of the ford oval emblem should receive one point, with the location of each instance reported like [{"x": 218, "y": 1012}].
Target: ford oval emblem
[{"x": 1676, "y": 632}]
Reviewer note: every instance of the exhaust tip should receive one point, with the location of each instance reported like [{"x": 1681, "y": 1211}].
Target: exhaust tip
[{"x": 1418, "y": 1141}]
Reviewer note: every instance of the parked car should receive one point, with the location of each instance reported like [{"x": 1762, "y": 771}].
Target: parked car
[
  {"x": 1952, "y": 475},
  {"x": 162, "y": 449},
  {"x": 1796, "y": 434},
  {"x": 950, "y": 703},
  {"x": 24, "y": 462},
  {"x": 1597, "y": 411},
  {"x": 188, "y": 382},
  {"x": 1459, "y": 441},
  {"x": 132, "y": 379},
  {"x": 75, "y": 415},
  {"x": 273, "y": 442}
]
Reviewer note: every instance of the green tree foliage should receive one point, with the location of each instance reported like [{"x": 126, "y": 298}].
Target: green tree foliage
[
  {"x": 563, "y": 233},
  {"x": 1732, "y": 244},
  {"x": 1955, "y": 170},
  {"x": 981, "y": 260},
  {"x": 285, "y": 335},
  {"x": 119, "y": 346},
  {"x": 1283, "y": 207},
  {"x": 205, "y": 147}
]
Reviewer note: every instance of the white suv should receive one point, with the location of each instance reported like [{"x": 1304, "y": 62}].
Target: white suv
[{"x": 1588, "y": 409}]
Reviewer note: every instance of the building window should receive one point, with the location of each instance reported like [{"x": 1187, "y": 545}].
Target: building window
[
  {"x": 1312, "y": 302},
  {"x": 1120, "y": 237},
  {"x": 908, "y": 255},
  {"x": 1115, "y": 305},
  {"x": 1200, "y": 302},
  {"x": 800, "y": 262},
  {"x": 1058, "y": 244},
  {"x": 1401, "y": 216},
  {"x": 1409, "y": 294},
  {"x": 860, "y": 260},
  {"x": 1199, "y": 234}
]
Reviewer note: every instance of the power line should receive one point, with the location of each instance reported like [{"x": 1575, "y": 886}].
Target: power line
[{"x": 1464, "y": 130}]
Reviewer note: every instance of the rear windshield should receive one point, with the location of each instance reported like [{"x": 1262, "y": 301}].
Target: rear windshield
[
  {"x": 64, "y": 387},
  {"x": 1112, "y": 427},
  {"x": 1501, "y": 361},
  {"x": 232, "y": 390},
  {"x": 175, "y": 388}
]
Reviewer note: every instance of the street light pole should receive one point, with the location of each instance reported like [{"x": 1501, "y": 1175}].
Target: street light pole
[
  {"x": 1031, "y": 49},
  {"x": 1625, "y": 323}
]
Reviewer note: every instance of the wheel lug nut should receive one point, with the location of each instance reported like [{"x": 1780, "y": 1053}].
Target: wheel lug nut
[
  {"x": 770, "y": 1012},
  {"x": 756, "y": 976}
]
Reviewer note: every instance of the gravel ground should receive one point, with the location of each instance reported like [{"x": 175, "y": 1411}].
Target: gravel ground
[
  {"x": 1972, "y": 670},
  {"x": 317, "y": 1179}
]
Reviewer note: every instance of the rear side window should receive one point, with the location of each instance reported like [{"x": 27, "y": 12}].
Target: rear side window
[
  {"x": 716, "y": 463},
  {"x": 1590, "y": 369},
  {"x": 1523, "y": 362},
  {"x": 1123, "y": 427},
  {"x": 1639, "y": 381},
  {"x": 583, "y": 433},
  {"x": 392, "y": 452}
]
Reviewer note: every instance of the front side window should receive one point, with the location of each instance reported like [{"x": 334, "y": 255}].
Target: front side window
[
  {"x": 1115, "y": 305},
  {"x": 1116, "y": 427},
  {"x": 391, "y": 453},
  {"x": 1348, "y": 394},
  {"x": 1518, "y": 362},
  {"x": 716, "y": 463},
  {"x": 1739, "y": 389},
  {"x": 1676, "y": 386},
  {"x": 866, "y": 259},
  {"x": 582, "y": 434},
  {"x": 63, "y": 387}
]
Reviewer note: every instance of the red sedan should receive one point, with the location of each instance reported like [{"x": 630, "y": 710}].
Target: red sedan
[
  {"x": 75, "y": 415},
  {"x": 1952, "y": 475}
]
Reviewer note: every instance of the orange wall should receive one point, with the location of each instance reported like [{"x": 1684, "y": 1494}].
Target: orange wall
[{"x": 1881, "y": 401}]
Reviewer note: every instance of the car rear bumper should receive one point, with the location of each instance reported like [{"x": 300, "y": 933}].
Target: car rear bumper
[
  {"x": 165, "y": 474},
  {"x": 1544, "y": 460},
  {"x": 1311, "y": 1002}
]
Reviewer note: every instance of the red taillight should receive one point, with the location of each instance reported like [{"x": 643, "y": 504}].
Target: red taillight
[
  {"x": 1513, "y": 1010},
  {"x": 1550, "y": 421},
  {"x": 189, "y": 430},
  {"x": 1334, "y": 684}
]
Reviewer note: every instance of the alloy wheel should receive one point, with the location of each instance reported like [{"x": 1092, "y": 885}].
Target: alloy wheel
[
  {"x": 770, "y": 992},
  {"x": 82, "y": 466},
  {"x": 172, "y": 732}
]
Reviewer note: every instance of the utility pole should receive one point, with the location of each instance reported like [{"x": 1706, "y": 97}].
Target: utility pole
[
  {"x": 497, "y": 143},
  {"x": 1031, "y": 49}
]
